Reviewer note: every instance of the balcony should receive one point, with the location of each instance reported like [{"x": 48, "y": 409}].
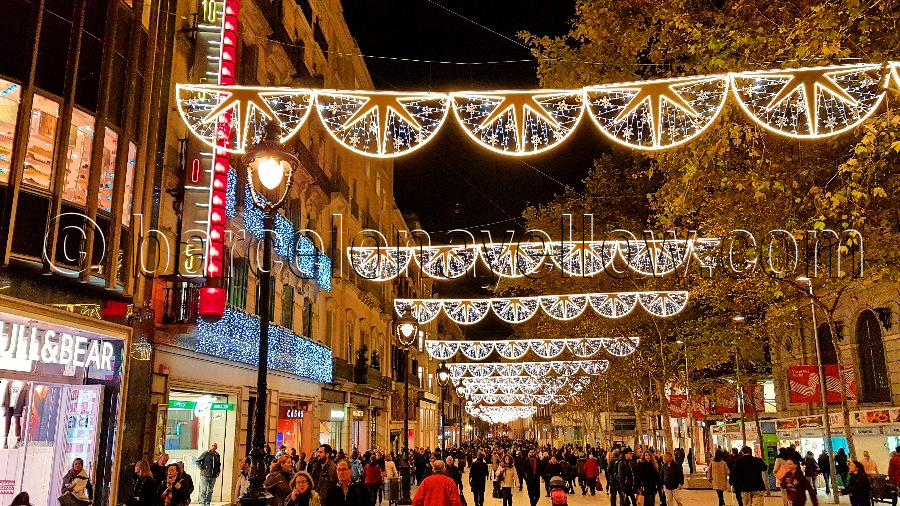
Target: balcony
[
  {"x": 343, "y": 370},
  {"x": 180, "y": 303}
]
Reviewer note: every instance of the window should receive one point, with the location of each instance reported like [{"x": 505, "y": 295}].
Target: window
[
  {"x": 41, "y": 140},
  {"x": 287, "y": 307},
  {"x": 237, "y": 284},
  {"x": 78, "y": 157},
  {"x": 872, "y": 367},
  {"x": 308, "y": 318},
  {"x": 9, "y": 110},
  {"x": 108, "y": 170},
  {"x": 826, "y": 345},
  {"x": 350, "y": 337},
  {"x": 329, "y": 326},
  {"x": 129, "y": 185}
]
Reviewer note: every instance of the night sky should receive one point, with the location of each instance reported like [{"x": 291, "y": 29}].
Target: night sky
[{"x": 453, "y": 182}]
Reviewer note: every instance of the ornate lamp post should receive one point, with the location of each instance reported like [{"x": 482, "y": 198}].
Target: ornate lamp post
[
  {"x": 407, "y": 332},
  {"x": 443, "y": 377},
  {"x": 270, "y": 165}
]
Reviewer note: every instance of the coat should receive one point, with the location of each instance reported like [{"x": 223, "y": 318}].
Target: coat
[
  {"x": 509, "y": 478},
  {"x": 177, "y": 491},
  {"x": 356, "y": 495},
  {"x": 717, "y": 474},
  {"x": 437, "y": 490},
  {"x": 672, "y": 475},
  {"x": 144, "y": 491},
  {"x": 373, "y": 474},
  {"x": 478, "y": 473},
  {"x": 390, "y": 470},
  {"x": 647, "y": 476},
  {"x": 859, "y": 489},
  {"x": 590, "y": 468},
  {"x": 314, "y": 500},
  {"x": 81, "y": 485}
]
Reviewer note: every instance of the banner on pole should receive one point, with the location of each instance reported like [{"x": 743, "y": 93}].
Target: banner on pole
[{"x": 678, "y": 406}]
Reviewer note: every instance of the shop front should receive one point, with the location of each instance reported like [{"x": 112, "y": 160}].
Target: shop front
[
  {"x": 60, "y": 382},
  {"x": 331, "y": 430},
  {"x": 291, "y": 415},
  {"x": 196, "y": 420}
]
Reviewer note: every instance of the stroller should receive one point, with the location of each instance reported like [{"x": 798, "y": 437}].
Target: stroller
[{"x": 559, "y": 494}]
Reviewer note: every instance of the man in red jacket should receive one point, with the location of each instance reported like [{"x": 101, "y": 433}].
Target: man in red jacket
[
  {"x": 438, "y": 489},
  {"x": 591, "y": 472}
]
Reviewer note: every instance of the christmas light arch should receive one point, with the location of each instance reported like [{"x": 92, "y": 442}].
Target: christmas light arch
[
  {"x": 543, "y": 348},
  {"x": 806, "y": 103}
]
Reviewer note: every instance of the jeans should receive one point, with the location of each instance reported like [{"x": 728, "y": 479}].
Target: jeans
[
  {"x": 592, "y": 485},
  {"x": 373, "y": 492},
  {"x": 507, "y": 496},
  {"x": 649, "y": 497},
  {"x": 673, "y": 497},
  {"x": 827, "y": 476},
  {"x": 206, "y": 488},
  {"x": 628, "y": 498}
]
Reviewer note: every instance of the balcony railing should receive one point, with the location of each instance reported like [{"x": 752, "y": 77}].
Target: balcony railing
[{"x": 180, "y": 303}]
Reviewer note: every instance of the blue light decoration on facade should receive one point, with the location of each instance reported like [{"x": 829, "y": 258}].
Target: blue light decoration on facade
[
  {"x": 231, "y": 194},
  {"x": 311, "y": 263},
  {"x": 236, "y": 337}
]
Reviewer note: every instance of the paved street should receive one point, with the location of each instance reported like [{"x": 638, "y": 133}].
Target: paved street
[{"x": 689, "y": 498}]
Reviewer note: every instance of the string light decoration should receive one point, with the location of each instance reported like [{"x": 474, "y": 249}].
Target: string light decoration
[
  {"x": 535, "y": 369},
  {"x": 653, "y": 115},
  {"x": 500, "y": 414},
  {"x": 811, "y": 102},
  {"x": 522, "y": 384},
  {"x": 543, "y": 348},
  {"x": 382, "y": 124},
  {"x": 647, "y": 115},
  {"x": 518, "y": 123},
  {"x": 236, "y": 337},
  {"x": 558, "y": 307},
  {"x": 893, "y": 76},
  {"x": 649, "y": 257},
  {"x": 542, "y": 399},
  {"x": 200, "y": 105}
]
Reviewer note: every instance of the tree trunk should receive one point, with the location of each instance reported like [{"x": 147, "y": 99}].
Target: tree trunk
[
  {"x": 638, "y": 419},
  {"x": 666, "y": 421},
  {"x": 845, "y": 408}
]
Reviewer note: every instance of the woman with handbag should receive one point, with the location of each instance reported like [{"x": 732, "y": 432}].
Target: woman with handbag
[
  {"x": 77, "y": 489},
  {"x": 174, "y": 489},
  {"x": 508, "y": 479}
]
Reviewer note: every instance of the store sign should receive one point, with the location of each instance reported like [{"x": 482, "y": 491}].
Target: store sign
[
  {"x": 357, "y": 413},
  {"x": 337, "y": 415},
  {"x": 293, "y": 413},
  {"x": 216, "y": 406},
  {"x": 21, "y": 346}
]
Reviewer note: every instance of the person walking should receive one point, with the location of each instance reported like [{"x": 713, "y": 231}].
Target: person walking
[
  {"x": 143, "y": 492},
  {"x": 841, "y": 467},
  {"x": 690, "y": 460},
  {"x": 478, "y": 473},
  {"x": 437, "y": 489},
  {"x": 533, "y": 471},
  {"x": 717, "y": 474},
  {"x": 794, "y": 485},
  {"x": 243, "y": 481},
  {"x": 591, "y": 471},
  {"x": 750, "y": 478},
  {"x": 869, "y": 465},
  {"x": 508, "y": 479},
  {"x": 612, "y": 476},
  {"x": 324, "y": 473},
  {"x": 278, "y": 481},
  {"x": 858, "y": 487},
  {"x": 302, "y": 491},
  {"x": 495, "y": 464},
  {"x": 210, "y": 465},
  {"x": 344, "y": 492},
  {"x": 824, "y": 464},
  {"x": 672, "y": 479},
  {"x": 647, "y": 479},
  {"x": 454, "y": 473},
  {"x": 810, "y": 468},
  {"x": 373, "y": 478},
  {"x": 627, "y": 479}
]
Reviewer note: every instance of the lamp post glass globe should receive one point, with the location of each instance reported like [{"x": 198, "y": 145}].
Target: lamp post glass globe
[
  {"x": 407, "y": 328},
  {"x": 270, "y": 171}
]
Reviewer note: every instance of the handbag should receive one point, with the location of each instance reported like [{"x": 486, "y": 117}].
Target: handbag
[{"x": 67, "y": 499}]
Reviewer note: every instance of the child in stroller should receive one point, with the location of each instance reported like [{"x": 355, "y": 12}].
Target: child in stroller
[{"x": 559, "y": 494}]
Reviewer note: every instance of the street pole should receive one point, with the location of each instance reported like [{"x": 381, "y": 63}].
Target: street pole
[
  {"x": 405, "y": 471},
  {"x": 443, "y": 431},
  {"x": 256, "y": 494},
  {"x": 824, "y": 398},
  {"x": 740, "y": 395}
]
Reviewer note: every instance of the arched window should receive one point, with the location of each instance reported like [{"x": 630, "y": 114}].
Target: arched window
[
  {"x": 872, "y": 367},
  {"x": 826, "y": 345}
]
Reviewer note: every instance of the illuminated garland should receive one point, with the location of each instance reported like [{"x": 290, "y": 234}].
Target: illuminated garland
[
  {"x": 544, "y": 348},
  {"x": 585, "y": 259},
  {"x": 509, "y": 399},
  {"x": 534, "y": 369},
  {"x": 500, "y": 414},
  {"x": 236, "y": 337},
  {"x": 558, "y": 307},
  {"x": 806, "y": 103},
  {"x": 548, "y": 385}
]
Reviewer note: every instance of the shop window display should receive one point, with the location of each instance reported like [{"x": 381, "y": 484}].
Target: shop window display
[
  {"x": 41, "y": 140},
  {"x": 78, "y": 157},
  {"x": 9, "y": 110},
  {"x": 108, "y": 168},
  {"x": 195, "y": 421}
]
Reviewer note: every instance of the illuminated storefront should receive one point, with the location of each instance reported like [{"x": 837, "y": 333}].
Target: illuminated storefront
[{"x": 60, "y": 388}]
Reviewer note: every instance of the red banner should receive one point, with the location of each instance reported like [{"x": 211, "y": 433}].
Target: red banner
[
  {"x": 699, "y": 406},
  {"x": 678, "y": 406},
  {"x": 726, "y": 399},
  {"x": 804, "y": 383},
  {"x": 754, "y": 399}
]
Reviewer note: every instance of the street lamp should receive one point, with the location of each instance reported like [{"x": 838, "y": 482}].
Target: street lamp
[
  {"x": 407, "y": 332},
  {"x": 443, "y": 376},
  {"x": 823, "y": 393},
  {"x": 687, "y": 389},
  {"x": 274, "y": 167}
]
